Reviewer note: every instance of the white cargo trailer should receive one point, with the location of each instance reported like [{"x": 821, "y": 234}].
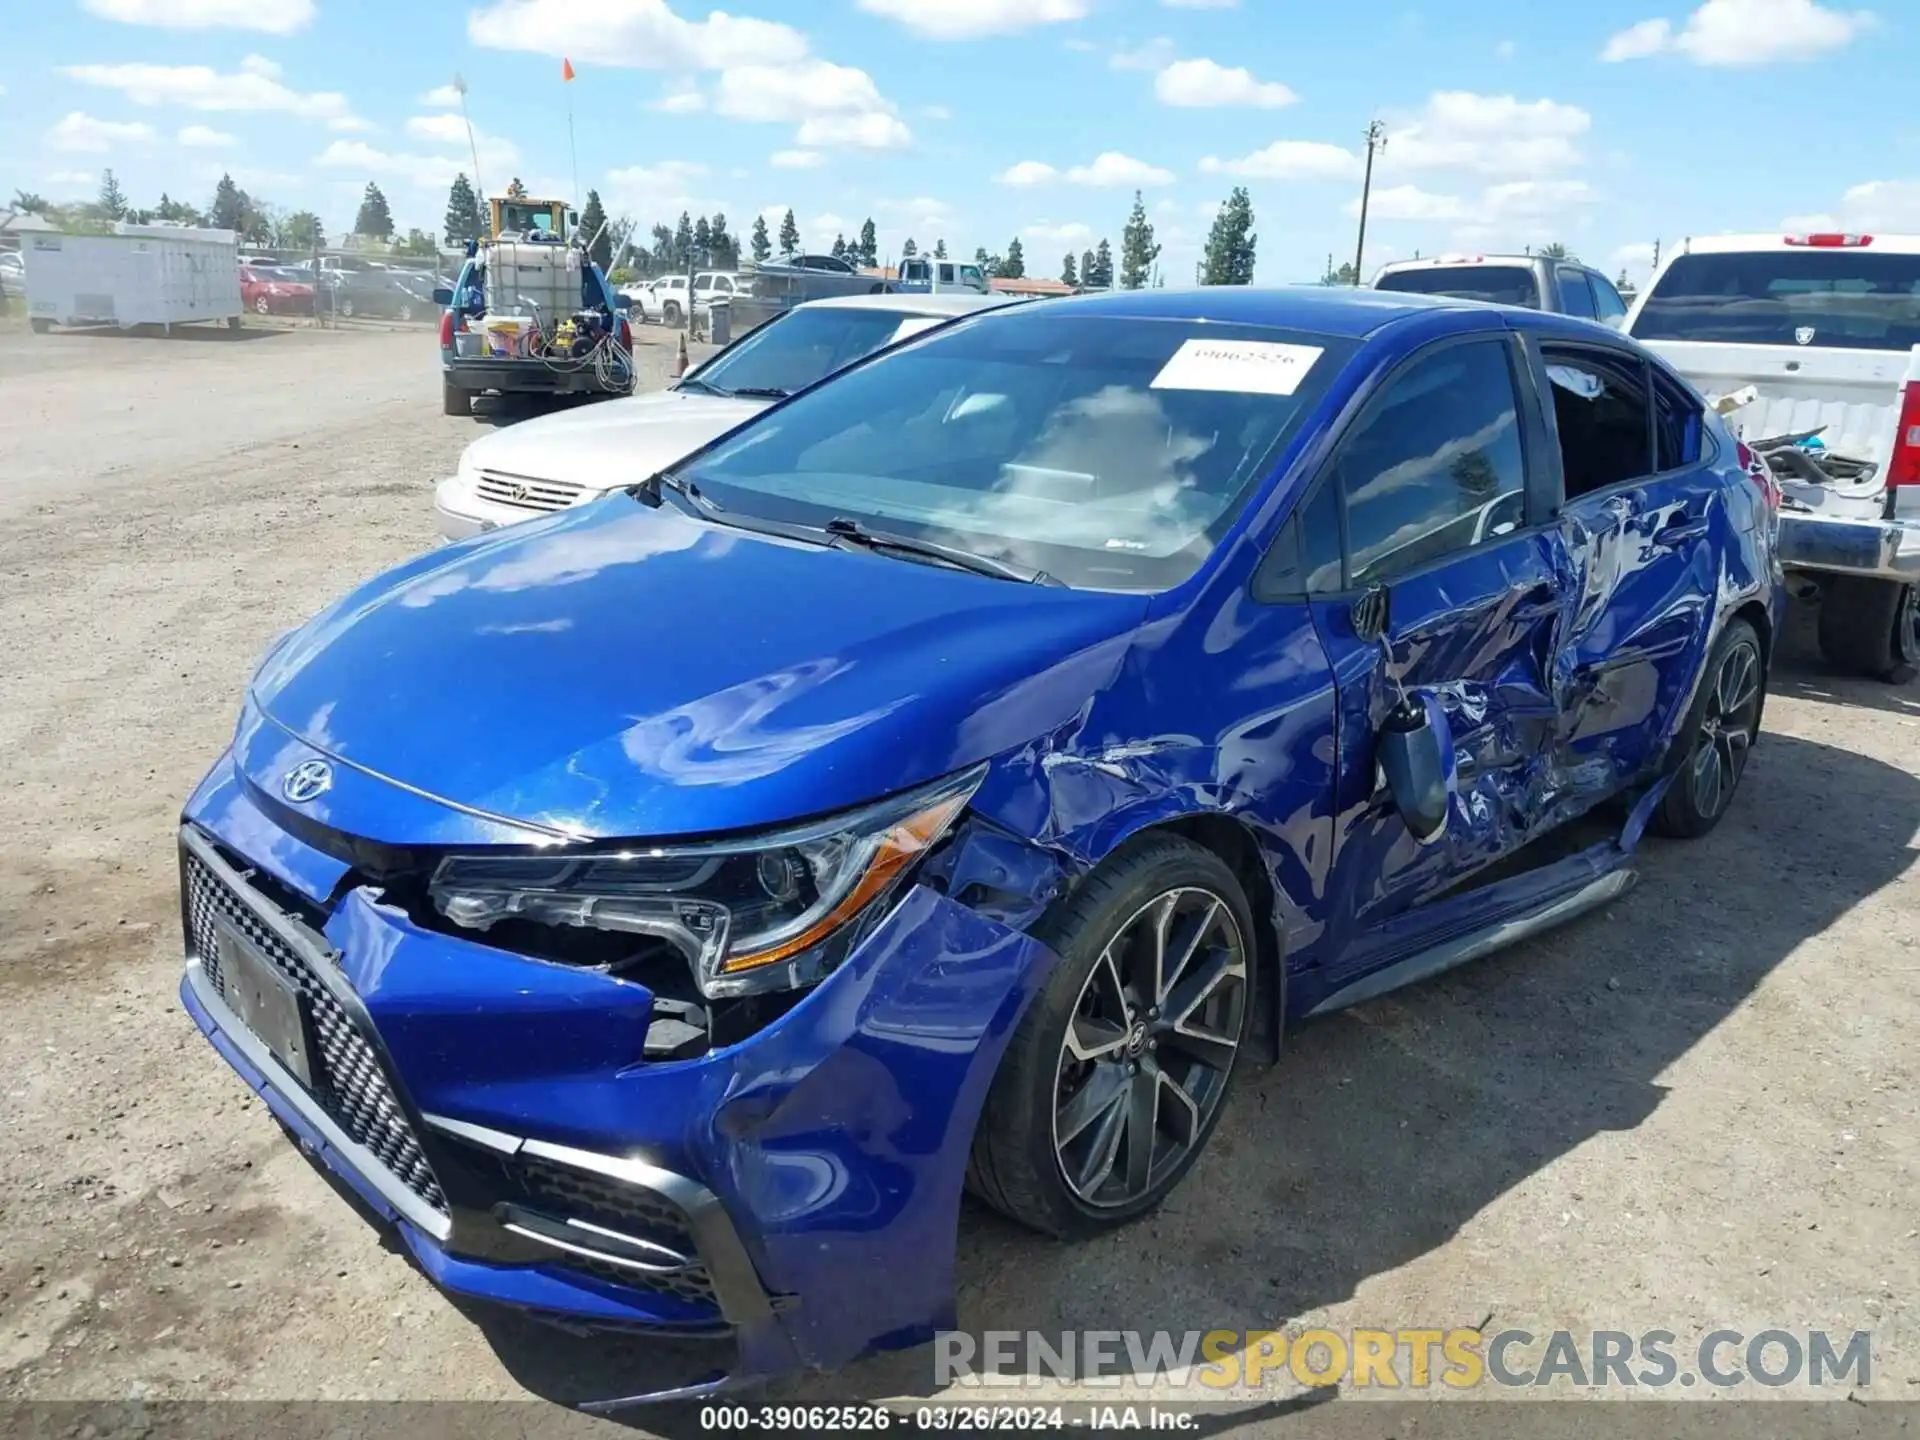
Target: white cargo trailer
[{"x": 139, "y": 275}]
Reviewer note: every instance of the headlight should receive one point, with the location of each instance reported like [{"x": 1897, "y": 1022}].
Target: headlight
[{"x": 749, "y": 915}]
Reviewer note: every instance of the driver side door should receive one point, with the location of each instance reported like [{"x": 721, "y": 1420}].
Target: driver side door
[{"x": 1436, "y": 505}]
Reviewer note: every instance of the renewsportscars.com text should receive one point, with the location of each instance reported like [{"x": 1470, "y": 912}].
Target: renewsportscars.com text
[{"x": 1416, "y": 1359}]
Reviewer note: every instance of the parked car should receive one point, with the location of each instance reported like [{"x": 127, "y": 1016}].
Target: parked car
[
  {"x": 531, "y": 318},
  {"x": 1813, "y": 342},
  {"x": 574, "y": 456},
  {"x": 959, "y": 774},
  {"x": 1535, "y": 282},
  {"x": 13, "y": 275},
  {"x": 374, "y": 292},
  {"x": 271, "y": 290}
]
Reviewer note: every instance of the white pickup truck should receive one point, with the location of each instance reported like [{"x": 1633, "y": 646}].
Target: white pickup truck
[{"x": 1810, "y": 345}]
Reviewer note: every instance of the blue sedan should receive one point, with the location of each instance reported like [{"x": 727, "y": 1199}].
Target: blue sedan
[{"x": 956, "y": 777}]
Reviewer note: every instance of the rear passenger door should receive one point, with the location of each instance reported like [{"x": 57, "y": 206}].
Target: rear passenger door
[
  {"x": 1432, "y": 497},
  {"x": 1576, "y": 292},
  {"x": 1641, "y": 506}
]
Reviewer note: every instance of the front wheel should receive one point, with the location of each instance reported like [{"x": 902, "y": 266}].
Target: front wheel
[
  {"x": 1118, "y": 1072},
  {"x": 262, "y": 306},
  {"x": 1721, "y": 729},
  {"x": 404, "y": 313}
]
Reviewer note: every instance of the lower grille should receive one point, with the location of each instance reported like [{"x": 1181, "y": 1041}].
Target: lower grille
[
  {"x": 527, "y": 492},
  {"x": 351, "y": 1087},
  {"x": 628, "y": 1209}
]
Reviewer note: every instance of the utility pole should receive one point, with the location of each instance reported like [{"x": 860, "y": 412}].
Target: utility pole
[{"x": 1376, "y": 140}]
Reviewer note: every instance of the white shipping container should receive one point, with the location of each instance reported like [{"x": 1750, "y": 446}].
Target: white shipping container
[{"x": 139, "y": 275}]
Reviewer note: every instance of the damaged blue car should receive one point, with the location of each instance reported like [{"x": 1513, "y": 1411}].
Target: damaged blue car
[{"x": 955, "y": 779}]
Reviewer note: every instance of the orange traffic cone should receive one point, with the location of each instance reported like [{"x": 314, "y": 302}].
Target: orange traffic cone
[{"x": 680, "y": 357}]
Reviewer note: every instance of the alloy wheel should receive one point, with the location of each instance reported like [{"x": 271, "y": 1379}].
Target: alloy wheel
[
  {"x": 1147, "y": 1053},
  {"x": 1726, "y": 730}
]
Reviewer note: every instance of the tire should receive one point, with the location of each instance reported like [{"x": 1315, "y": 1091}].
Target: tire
[
  {"x": 262, "y": 306},
  {"x": 1720, "y": 731},
  {"x": 1871, "y": 627},
  {"x": 404, "y": 314},
  {"x": 346, "y": 308},
  {"x": 670, "y": 314},
  {"x": 1127, "y": 1049},
  {"x": 454, "y": 400},
  {"x": 40, "y": 327}
]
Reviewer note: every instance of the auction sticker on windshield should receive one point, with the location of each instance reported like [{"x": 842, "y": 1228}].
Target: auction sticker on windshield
[{"x": 1249, "y": 367}]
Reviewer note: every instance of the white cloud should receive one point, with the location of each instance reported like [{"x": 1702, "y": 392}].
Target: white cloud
[
  {"x": 839, "y": 225},
  {"x": 71, "y": 179},
  {"x": 428, "y": 171},
  {"x": 663, "y": 189},
  {"x": 1529, "y": 201},
  {"x": 1156, "y": 54},
  {"x": 836, "y": 105},
  {"x": 969, "y": 19},
  {"x": 441, "y": 97},
  {"x": 1072, "y": 235},
  {"x": 1028, "y": 172},
  {"x": 442, "y": 129},
  {"x": 642, "y": 34},
  {"x": 1636, "y": 42},
  {"x": 1490, "y": 134},
  {"x": 875, "y": 131},
  {"x": 275, "y": 17},
  {"x": 684, "y": 98},
  {"x": 1289, "y": 160},
  {"x": 1410, "y": 202},
  {"x": 1890, "y": 205},
  {"x": 795, "y": 159},
  {"x": 1113, "y": 168},
  {"x": 920, "y": 214},
  {"x": 255, "y": 86},
  {"x": 1203, "y": 84},
  {"x": 204, "y": 137},
  {"x": 79, "y": 133},
  {"x": 1635, "y": 259},
  {"x": 1744, "y": 32}
]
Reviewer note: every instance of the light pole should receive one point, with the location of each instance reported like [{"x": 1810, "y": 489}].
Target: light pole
[{"x": 1376, "y": 140}]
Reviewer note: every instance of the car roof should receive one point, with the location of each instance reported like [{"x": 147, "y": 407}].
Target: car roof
[
  {"x": 1442, "y": 262},
  {"x": 1340, "y": 310},
  {"x": 907, "y": 304}
]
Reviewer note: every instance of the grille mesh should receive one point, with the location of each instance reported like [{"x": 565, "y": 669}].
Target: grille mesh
[
  {"x": 527, "y": 492},
  {"x": 350, "y": 1086},
  {"x": 628, "y": 1209}
]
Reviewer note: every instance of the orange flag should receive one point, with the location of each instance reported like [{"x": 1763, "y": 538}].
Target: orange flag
[{"x": 566, "y": 68}]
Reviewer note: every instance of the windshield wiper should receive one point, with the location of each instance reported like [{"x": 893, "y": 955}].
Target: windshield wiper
[
  {"x": 851, "y": 532},
  {"x": 694, "y": 382},
  {"x": 762, "y": 392},
  {"x": 648, "y": 492}
]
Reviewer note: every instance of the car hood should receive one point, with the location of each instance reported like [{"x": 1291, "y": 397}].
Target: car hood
[
  {"x": 615, "y": 671},
  {"x": 614, "y": 443}
]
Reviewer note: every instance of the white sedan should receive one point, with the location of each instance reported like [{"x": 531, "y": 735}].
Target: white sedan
[{"x": 574, "y": 456}]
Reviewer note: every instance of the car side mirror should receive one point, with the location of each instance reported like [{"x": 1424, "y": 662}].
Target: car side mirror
[
  {"x": 442, "y": 295},
  {"x": 1371, "y": 614}
]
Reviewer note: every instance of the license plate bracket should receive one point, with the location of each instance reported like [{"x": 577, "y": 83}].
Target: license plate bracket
[{"x": 265, "y": 1001}]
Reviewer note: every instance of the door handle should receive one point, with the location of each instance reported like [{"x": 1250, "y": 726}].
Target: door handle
[{"x": 1680, "y": 529}]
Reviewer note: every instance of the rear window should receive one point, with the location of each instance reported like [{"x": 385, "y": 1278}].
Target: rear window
[
  {"x": 1853, "y": 299},
  {"x": 1495, "y": 284}
]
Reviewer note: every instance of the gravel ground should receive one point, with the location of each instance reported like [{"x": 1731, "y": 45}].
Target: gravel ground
[{"x": 1698, "y": 1108}]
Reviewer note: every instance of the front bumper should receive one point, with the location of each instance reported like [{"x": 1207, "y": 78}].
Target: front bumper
[
  {"x": 504, "y": 1122},
  {"x": 458, "y": 512},
  {"x": 1880, "y": 549}
]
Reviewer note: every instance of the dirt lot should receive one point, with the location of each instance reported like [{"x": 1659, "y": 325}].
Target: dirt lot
[{"x": 1700, "y": 1108}]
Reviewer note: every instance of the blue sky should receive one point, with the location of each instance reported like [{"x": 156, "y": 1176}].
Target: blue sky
[{"x": 1604, "y": 125}]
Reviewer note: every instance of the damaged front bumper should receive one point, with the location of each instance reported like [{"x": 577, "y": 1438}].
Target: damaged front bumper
[{"x": 497, "y": 1110}]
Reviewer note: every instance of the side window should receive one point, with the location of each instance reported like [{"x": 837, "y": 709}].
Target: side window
[
  {"x": 1606, "y": 299},
  {"x": 1676, "y": 427},
  {"x": 1600, "y": 410},
  {"x": 1305, "y": 559},
  {"x": 1576, "y": 293},
  {"x": 1435, "y": 463},
  {"x": 946, "y": 274}
]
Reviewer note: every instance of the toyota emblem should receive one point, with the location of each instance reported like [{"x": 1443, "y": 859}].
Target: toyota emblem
[{"x": 308, "y": 780}]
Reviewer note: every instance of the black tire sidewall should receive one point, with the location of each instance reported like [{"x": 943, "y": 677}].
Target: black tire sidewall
[
  {"x": 1678, "y": 816},
  {"x": 1021, "y": 1102}
]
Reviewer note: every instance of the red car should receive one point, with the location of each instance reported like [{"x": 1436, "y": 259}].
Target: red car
[{"x": 268, "y": 291}]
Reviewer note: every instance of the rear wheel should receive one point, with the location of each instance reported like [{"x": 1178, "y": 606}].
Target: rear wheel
[
  {"x": 1720, "y": 733},
  {"x": 404, "y": 313},
  {"x": 1871, "y": 627},
  {"x": 454, "y": 400},
  {"x": 346, "y": 306},
  {"x": 670, "y": 314},
  {"x": 1117, "y": 1073}
]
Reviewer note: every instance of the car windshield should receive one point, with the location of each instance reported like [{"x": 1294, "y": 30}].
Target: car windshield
[
  {"x": 1495, "y": 284},
  {"x": 1850, "y": 298},
  {"x": 806, "y": 345},
  {"x": 1110, "y": 452}
]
